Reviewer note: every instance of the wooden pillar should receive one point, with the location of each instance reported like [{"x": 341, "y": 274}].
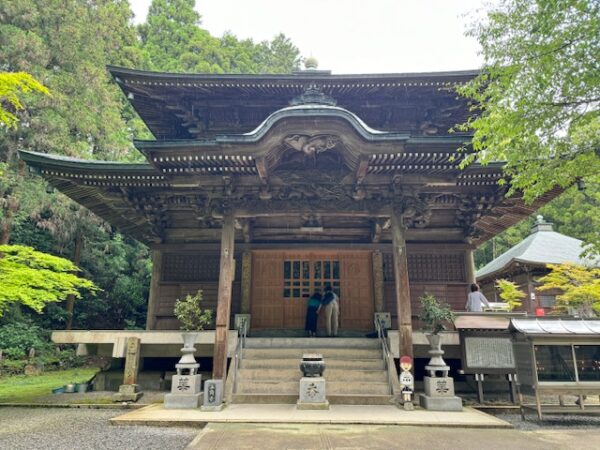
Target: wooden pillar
[
  {"x": 226, "y": 274},
  {"x": 402, "y": 285},
  {"x": 531, "y": 303},
  {"x": 246, "y": 282},
  {"x": 378, "y": 281},
  {"x": 153, "y": 297},
  {"x": 470, "y": 265}
]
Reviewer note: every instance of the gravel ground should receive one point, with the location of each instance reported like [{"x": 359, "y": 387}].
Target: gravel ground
[
  {"x": 556, "y": 422},
  {"x": 82, "y": 429}
]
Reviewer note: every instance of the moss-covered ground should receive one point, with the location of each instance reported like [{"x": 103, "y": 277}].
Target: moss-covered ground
[{"x": 26, "y": 388}]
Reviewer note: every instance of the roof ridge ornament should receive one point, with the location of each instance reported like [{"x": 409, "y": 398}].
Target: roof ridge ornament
[{"x": 313, "y": 95}]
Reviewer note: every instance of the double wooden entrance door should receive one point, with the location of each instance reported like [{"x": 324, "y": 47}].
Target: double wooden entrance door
[{"x": 282, "y": 280}]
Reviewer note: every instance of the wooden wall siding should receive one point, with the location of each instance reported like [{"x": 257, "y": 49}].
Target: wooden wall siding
[
  {"x": 429, "y": 267},
  {"x": 186, "y": 273},
  {"x": 169, "y": 292}
]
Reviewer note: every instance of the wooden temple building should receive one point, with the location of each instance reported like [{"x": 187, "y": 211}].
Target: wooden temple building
[{"x": 259, "y": 189}]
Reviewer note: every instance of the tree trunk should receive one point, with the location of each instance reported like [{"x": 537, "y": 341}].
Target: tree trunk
[{"x": 71, "y": 298}]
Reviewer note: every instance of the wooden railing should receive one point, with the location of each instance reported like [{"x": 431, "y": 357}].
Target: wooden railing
[{"x": 388, "y": 358}]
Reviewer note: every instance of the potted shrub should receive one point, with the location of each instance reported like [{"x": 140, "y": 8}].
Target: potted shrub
[
  {"x": 434, "y": 316},
  {"x": 193, "y": 319}
]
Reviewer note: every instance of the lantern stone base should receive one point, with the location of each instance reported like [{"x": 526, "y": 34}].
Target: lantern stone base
[
  {"x": 185, "y": 392},
  {"x": 304, "y": 405},
  {"x": 128, "y": 393},
  {"x": 441, "y": 403},
  {"x": 439, "y": 395},
  {"x": 183, "y": 401},
  {"x": 312, "y": 393}
]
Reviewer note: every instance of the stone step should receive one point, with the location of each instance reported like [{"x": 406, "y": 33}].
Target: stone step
[
  {"x": 278, "y": 342},
  {"x": 334, "y": 353},
  {"x": 279, "y": 387},
  {"x": 268, "y": 387},
  {"x": 293, "y": 398},
  {"x": 331, "y": 363},
  {"x": 296, "y": 374},
  {"x": 357, "y": 388}
]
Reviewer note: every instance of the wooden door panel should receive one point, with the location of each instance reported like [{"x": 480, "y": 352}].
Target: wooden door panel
[
  {"x": 356, "y": 300},
  {"x": 267, "y": 286},
  {"x": 271, "y": 309}
]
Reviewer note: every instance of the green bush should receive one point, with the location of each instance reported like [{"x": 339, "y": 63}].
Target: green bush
[
  {"x": 434, "y": 314},
  {"x": 12, "y": 367},
  {"x": 17, "y": 338}
]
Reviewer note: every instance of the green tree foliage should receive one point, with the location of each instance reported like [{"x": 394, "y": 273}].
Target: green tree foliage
[
  {"x": 538, "y": 98},
  {"x": 580, "y": 287},
  {"x": 573, "y": 213},
  {"x": 173, "y": 41},
  {"x": 13, "y": 86},
  {"x": 33, "y": 278},
  {"x": 66, "y": 44},
  {"x": 510, "y": 293},
  {"x": 190, "y": 314}
]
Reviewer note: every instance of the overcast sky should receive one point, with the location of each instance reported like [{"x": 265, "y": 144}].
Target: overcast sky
[{"x": 354, "y": 36}]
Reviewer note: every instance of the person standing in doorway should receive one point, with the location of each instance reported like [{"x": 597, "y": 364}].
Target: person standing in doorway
[
  {"x": 476, "y": 300},
  {"x": 332, "y": 311},
  {"x": 313, "y": 307}
]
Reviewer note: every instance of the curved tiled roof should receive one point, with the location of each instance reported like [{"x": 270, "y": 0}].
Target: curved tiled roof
[{"x": 543, "y": 246}]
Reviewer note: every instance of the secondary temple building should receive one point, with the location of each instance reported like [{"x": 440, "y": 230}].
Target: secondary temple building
[{"x": 259, "y": 189}]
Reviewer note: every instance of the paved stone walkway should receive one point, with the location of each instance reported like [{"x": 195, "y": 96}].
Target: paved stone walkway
[
  {"x": 228, "y": 436},
  {"x": 337, "y": 414}
]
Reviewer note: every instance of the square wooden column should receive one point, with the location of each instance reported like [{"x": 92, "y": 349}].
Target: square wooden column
[
  {"x": 378, "y": 282},
  {"x": 226, "y": 275},
  {"x": 154, "y": 289},
  {"x": 402, "y": 285},
  {"x": 246, "y": 282}
]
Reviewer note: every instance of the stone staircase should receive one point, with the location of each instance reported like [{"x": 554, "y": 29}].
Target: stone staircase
[{"x": 355, "y": 370}]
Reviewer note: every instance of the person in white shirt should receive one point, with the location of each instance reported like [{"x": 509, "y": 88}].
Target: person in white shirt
[{"x": 476, "y": 300}]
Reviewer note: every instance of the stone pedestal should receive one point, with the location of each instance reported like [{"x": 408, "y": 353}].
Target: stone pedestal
[
  {"x": 312, "y": 393},
  {"x": 439, "y": 395},
  {"x": 185, "y": 386},
  {"x": 129, "y": 391},
  {"x": 213, "y": 395},
  {"x": 185, "y": 392}
]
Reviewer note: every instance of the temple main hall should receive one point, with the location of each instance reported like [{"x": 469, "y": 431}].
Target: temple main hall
[{"x": 260, "y": 189}]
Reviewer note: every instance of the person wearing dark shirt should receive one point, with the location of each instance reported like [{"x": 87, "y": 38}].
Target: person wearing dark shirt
[{"x": 313, "y": 307}]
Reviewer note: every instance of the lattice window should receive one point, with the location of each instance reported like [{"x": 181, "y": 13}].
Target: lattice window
[
  {"x": 436, "y": 267},
  {"x": 296, "y": 279},
  {"x": 424, "y": 267},
  {"x": 190, "y": 268},
  {"x": 302, "y": 277}
]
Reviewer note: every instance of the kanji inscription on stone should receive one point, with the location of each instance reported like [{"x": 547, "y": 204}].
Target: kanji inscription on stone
[
  {"x": 132, "y": 361},
  {"x": 312, "y": 390},
  {"x": 441, "y": 386},
  {"x": 183, "y": 385}
]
